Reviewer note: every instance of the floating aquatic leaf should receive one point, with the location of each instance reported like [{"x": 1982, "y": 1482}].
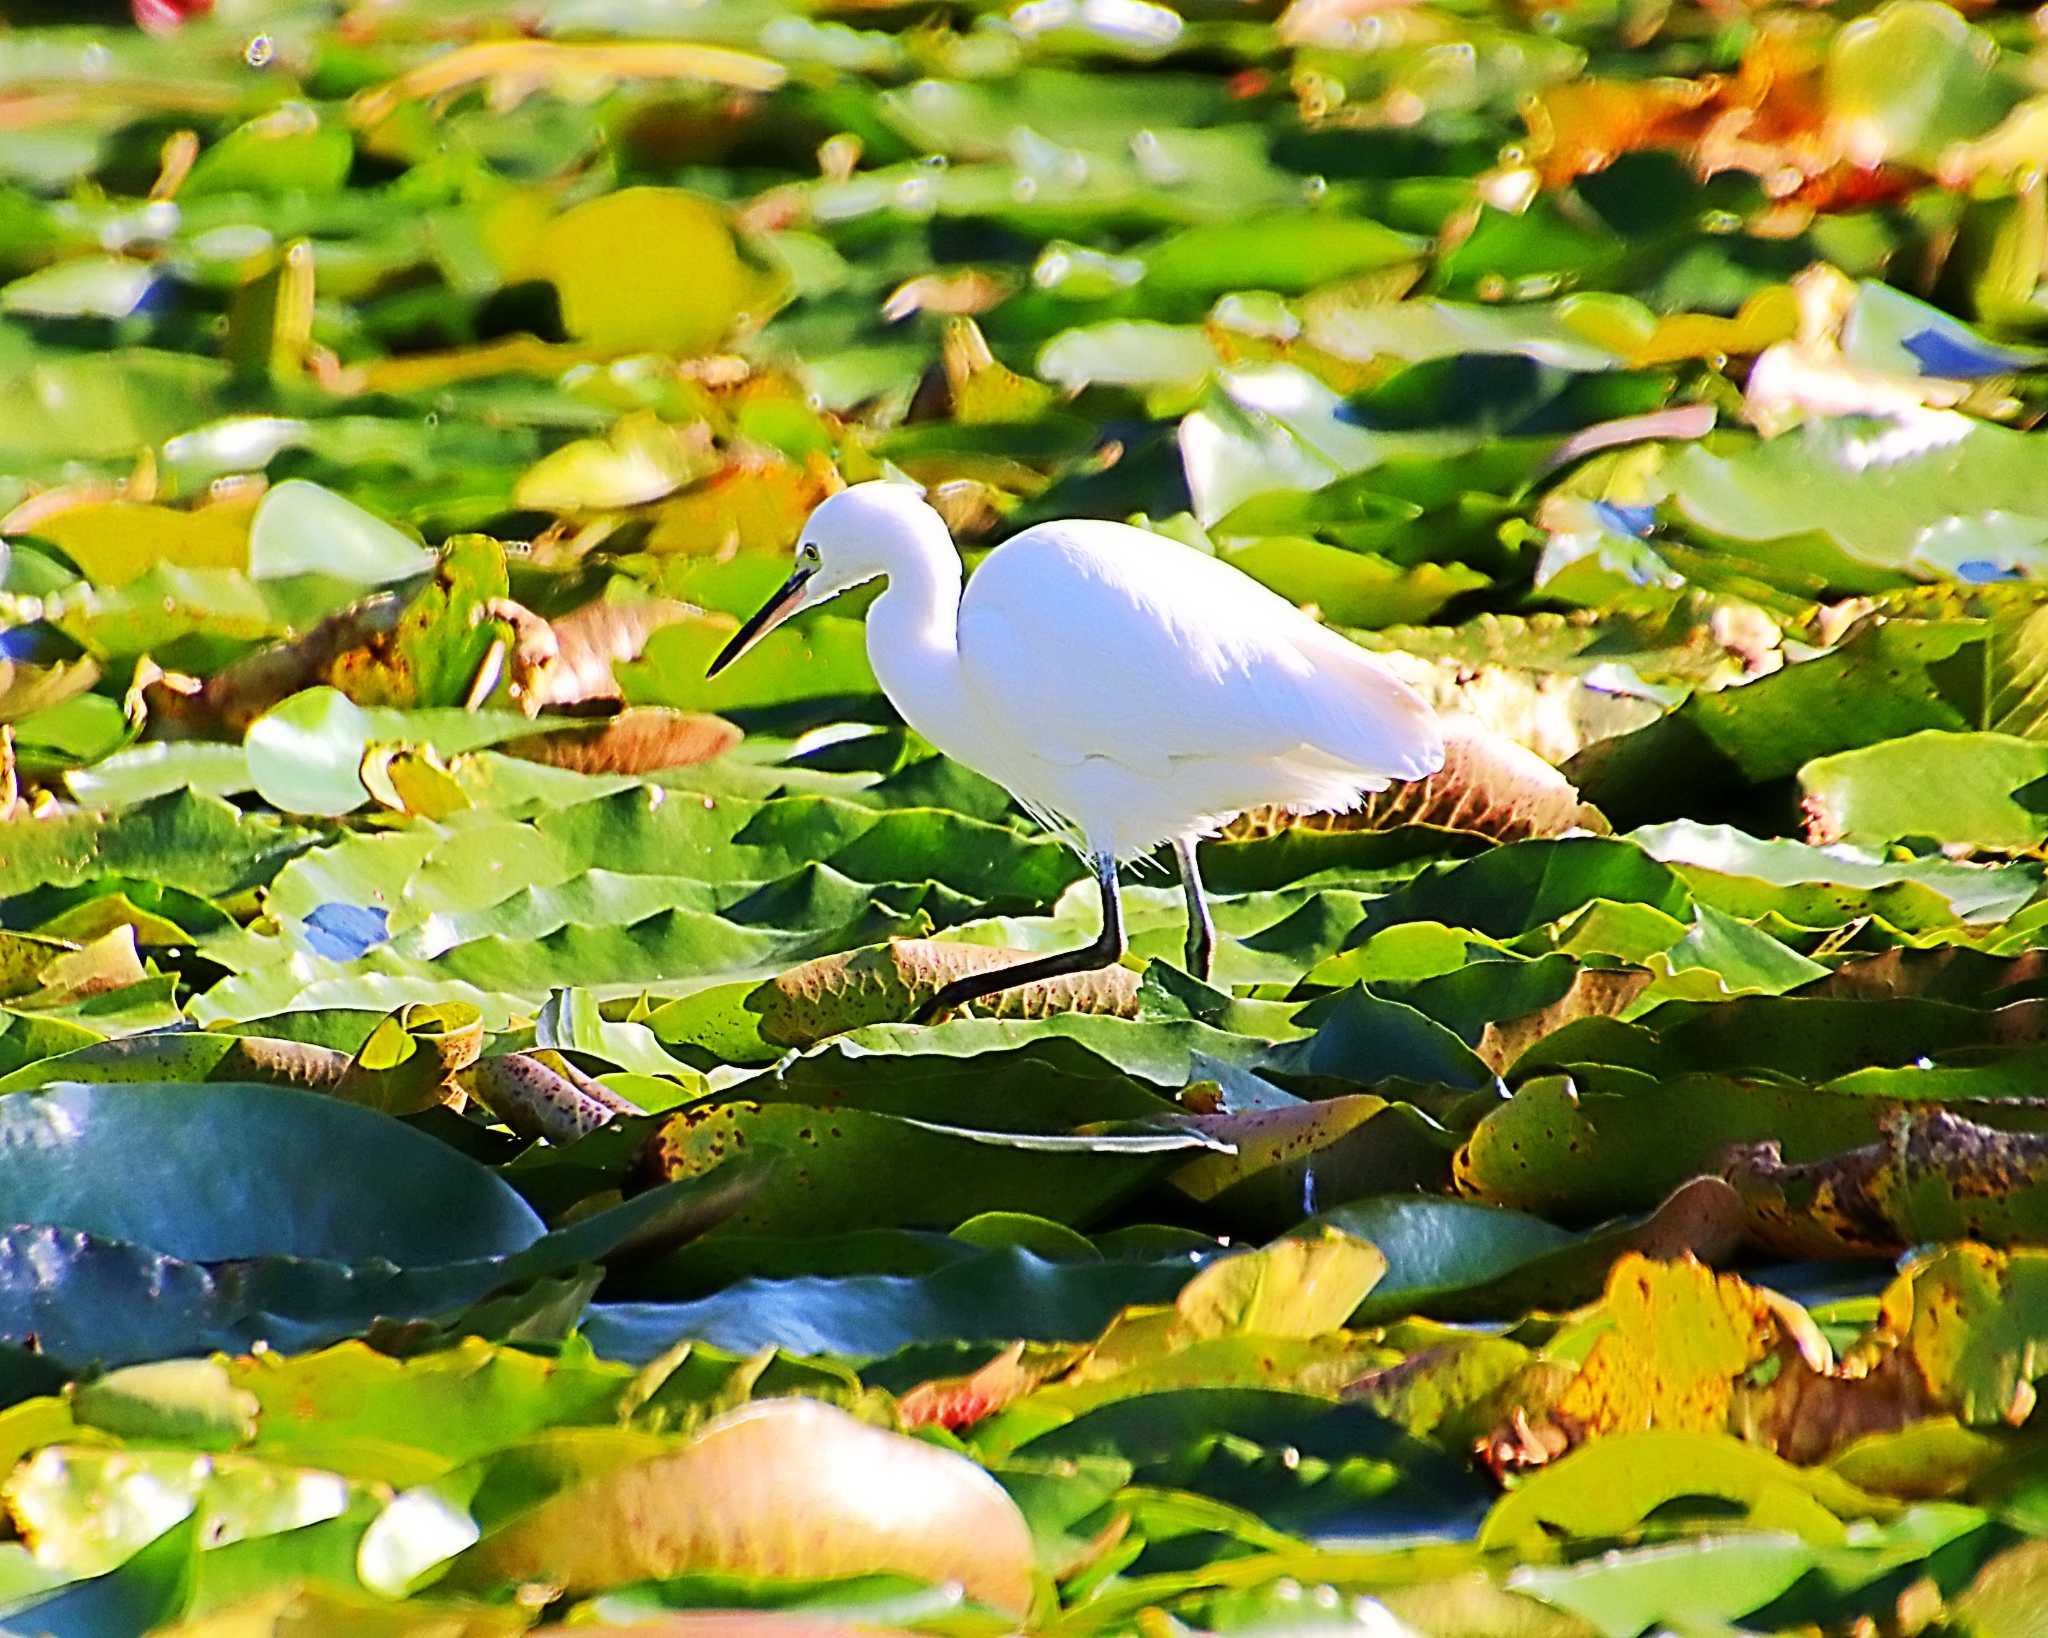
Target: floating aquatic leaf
[
  {"x": 397, "y": 411},
  {"x": 720, "y": 1502},
  {"x": 890, "y": 982}
]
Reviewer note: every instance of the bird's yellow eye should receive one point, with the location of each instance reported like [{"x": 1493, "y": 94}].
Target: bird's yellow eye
[{"x": 808, "y": 553}]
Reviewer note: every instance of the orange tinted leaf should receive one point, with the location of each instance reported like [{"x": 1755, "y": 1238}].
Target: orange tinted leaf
[
  {"x": 643, "y": 740},
  {"x": 959, "y": 1401},
  {"x": 779, "y": 1487}
]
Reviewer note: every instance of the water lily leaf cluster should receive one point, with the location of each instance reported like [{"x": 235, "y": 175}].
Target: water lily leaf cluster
[{"x": 467, "y": 1161}]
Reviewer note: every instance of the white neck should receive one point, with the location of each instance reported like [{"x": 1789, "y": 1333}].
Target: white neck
[{"x": 914, "y": 636}]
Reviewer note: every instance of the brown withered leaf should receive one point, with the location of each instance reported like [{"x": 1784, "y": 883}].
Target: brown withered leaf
[
  {"x": 1584, "y": 124},
  {"x": 414, "y": 1058},
  {"x": 589, "y": 1085},
  {"x": 441, "y": 642},
  {"x": 237, "y": 694},
  {"x": 1488, "y": 786},
  {"x": 536, "y": 1100},
  {"x": 1962, "y": 1333},
  {"x": 725, "y": 1501},
  {"x": 285, "y": 1063},
  {"x": 570, "y": 661},
  {"x": 887, "y": 983},
  {"x": 1952, "y": 972},
  {"x": 1960, "y": 1338},
  {"x": 1596, "y": 992},
  {"x": 971, "y": 508},
  {"x": 109, "y": 962},
  {"x": 1932, "y": 1176},
  {"x": 643, "y": 740}
]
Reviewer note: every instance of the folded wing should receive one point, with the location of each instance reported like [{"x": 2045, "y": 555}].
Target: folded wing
[{"x": 1111, "y": 642}]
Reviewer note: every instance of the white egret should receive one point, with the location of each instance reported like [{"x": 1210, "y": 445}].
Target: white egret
[{"x": 1118, "y": 684}]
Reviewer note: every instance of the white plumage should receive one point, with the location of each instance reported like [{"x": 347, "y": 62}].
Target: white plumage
[
  {"x": 1153, "y": 692},
  {"x": 1118, "y": 684}
]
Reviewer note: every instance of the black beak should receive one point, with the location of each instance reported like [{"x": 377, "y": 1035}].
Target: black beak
[{"x": 765, "y": 619}]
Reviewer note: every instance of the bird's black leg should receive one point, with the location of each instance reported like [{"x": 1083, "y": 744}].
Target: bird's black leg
[
  {"x": 1106, "y": 951},
  {"x": 1201, "y": 929}
]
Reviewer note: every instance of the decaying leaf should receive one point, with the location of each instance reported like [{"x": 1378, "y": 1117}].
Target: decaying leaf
[
  {"x": 1674, "y": 1342},
  {"x": 962, "y": 292},
  {"x": 887, "y": 983},
  {"x": 574, "y": 661},
  {"x": 1778, "y": 116},
  {"x": 1488, "y": 786},
  {"x": 1959, "y": 1333},
  {"x": 1582, "y": 126},
  {"x": 414, "y": 1058},
  {"x": 540, "y": 1100},
  {"x": 637, "y": 741},
  {"x": 1951, "y": 973},
  {"x": 1596, "y": 992},
  {"x": 1465, "y": 1391},
  {"x": 1285, "y": 1153},
  {"x": 286, "y": 1063},
  {"x": 73, "y": 974},
  {"x": 237, "y": 694},
  {"x": 1680, "y": 1336},
  {"x": 1933, "y": 1176}
]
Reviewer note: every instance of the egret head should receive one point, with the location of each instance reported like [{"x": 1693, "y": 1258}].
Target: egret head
[{"x": 850, "y": 538}]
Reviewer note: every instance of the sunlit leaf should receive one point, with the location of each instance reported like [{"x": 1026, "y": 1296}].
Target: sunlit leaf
[{"x": 721, "y": 1502}]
